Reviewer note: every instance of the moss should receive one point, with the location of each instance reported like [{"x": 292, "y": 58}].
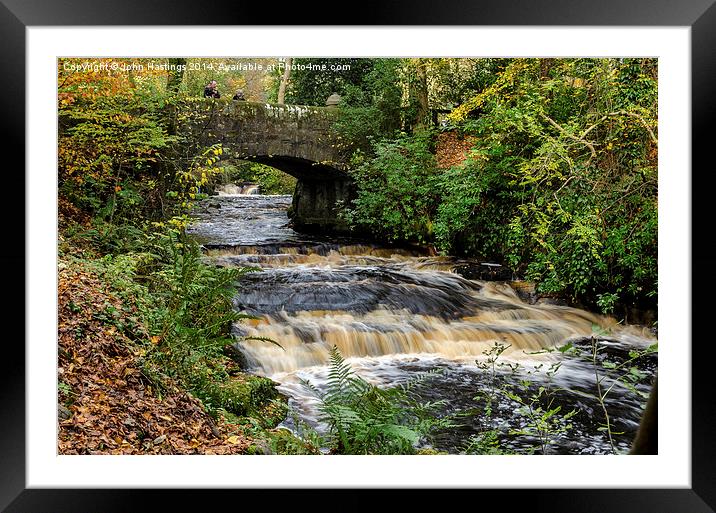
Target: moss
[
  {"x": 256, "y": 449},
  {"x": 245, "y": 395},
  {"x": 267, "y": 438},
  {"x": 284, "y": 441},
  {"x": 429, "y": 451},
  {"x": 273, "y": 412}
]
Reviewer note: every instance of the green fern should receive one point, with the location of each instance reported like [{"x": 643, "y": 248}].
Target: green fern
[{"x": 366, "y": 419}]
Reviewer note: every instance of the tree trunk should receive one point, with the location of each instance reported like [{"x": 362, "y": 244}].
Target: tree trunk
[
  {"x": 284, "y": 81},
  {"x": 545, "y": 65},
  {"x": 647, "y": 436},
  {"x": 420, "y": 93},
  {"x": 176, "y": 74}
]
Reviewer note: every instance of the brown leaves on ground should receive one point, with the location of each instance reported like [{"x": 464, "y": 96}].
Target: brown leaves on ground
[
  {"x": 68, "y": 213},
  {"x": 452, "y": 149},
  {"x": 106, "y": 406}
]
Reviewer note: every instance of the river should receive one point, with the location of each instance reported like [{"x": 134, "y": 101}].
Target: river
[{"x": 393, "y": 313}]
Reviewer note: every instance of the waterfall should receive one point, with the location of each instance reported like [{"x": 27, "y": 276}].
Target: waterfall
[
  {"x": 392, "y": 312},
  {"x": 232, "y": 189}
]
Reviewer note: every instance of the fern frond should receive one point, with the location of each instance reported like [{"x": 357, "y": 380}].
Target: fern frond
[
  {"x": 366, "y": 419},
  {"x": 264, "y": 339}
]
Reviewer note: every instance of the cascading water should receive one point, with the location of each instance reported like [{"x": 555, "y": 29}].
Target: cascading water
[
  {"x": 394, "y": 312},
  {"x": 232, "y": 189}
]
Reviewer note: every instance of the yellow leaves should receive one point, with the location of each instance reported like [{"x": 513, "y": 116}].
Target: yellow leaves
[
  {"x": 66, "y": 101},
  {"x": 155, "y": 339},
  {"x": 506, "y": 79},
  {"x": 177, "y": 222},
  {"x": 233, "y": 440}
]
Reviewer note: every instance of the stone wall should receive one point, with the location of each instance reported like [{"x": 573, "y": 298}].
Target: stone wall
[
  {"x": 317, "y": 204},
  {"x": 452, "y": 149},
  {"x": 292, "y": 138}
]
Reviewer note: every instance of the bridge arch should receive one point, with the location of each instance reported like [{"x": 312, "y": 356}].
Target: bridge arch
[{"x": 297, "y": 140}]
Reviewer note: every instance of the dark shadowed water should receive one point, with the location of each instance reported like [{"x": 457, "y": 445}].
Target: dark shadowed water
[{"x": 394, "y": 313}]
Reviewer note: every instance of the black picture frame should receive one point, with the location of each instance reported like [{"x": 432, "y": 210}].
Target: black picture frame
[{"x": 16, "y": 15}]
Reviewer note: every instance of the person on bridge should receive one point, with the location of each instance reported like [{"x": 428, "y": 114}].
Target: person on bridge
[{"x": 211, "y": 91}]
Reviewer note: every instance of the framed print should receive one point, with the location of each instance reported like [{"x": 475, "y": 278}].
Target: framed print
[{"x": 227, "y": 265}]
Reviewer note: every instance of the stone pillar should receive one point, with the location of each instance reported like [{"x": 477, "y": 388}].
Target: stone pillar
[{"x": 317, "y": 203}]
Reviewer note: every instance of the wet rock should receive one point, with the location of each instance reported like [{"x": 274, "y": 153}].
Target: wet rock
[
  {"x": 526, "y": 291},
  {"x": 63, "y": 412},
  {"x": 485, "y": 271},
  {"x": 361, "y": 289},
  {"x": 236, "y": 355},
  {"x": 551, "y": 300}
]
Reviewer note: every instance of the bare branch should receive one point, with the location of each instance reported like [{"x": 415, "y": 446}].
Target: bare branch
[
  {"x": 624, "y": 113},
  {"x": 571, "y": 136}
]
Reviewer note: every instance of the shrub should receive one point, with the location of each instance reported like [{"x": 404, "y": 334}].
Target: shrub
[
  {"x": 366, "y": 419},
  {"x": 396, "y": 195},
  {"x": 186, "y": 313}
]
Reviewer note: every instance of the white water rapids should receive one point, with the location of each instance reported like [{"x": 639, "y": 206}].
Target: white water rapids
[{"x": 392, "y": 313}]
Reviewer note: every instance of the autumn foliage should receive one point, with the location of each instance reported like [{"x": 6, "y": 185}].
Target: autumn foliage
[
  {"x": 140, "y": 365},
  {"x": 112, "y": 407}
]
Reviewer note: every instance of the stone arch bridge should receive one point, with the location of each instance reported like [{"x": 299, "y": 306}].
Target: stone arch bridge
[{"x": 294, "y": 139}]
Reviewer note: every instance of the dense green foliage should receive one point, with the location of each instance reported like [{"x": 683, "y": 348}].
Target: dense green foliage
[
  {"x": 120, "y": 160},
  {"x": 561, "y": 182},
  {"x": 366, "y": 419},
  {"x": 371, "y": 93},
  {"x": 126, "y": 190},
  {"x": 397, "y": 194},
  {"x": 108, "y": 152},
  {"x": 314, "y": 79},
  {"x": 372, "y": 111},
  {"x": 183, "y": 314},
  {"x": 269, "y": 179}
]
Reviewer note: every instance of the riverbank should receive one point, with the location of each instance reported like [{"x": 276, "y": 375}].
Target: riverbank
[
  {"x": 125, "y": 388},
  {"x": 147, "y": 362},
  {"x": 397, "y": 314}
]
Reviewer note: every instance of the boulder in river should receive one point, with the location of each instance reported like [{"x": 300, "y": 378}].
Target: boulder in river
[{"x": 484, "y": 271}]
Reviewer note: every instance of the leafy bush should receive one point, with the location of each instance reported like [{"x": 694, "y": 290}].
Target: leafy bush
[
  {"x": 396, "y": 194},
  {"x": 372, "y": 111},
  {"x": 185, "y": 312},
  {"x": 366, "y": 419},
  {"x": 561, "y": 183}
]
